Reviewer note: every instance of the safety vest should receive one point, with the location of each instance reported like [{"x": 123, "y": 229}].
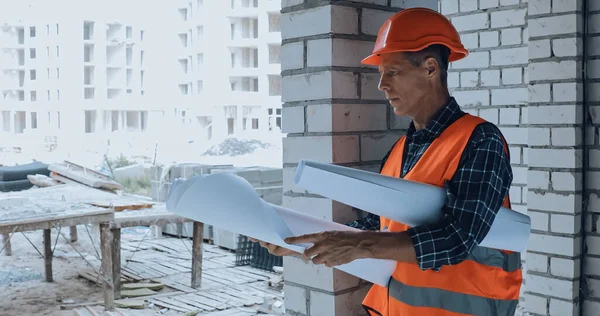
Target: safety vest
[{"x": 487, "y": 283}]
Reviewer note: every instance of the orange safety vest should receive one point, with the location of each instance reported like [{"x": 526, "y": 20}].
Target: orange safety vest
[{"x": 487, "y": 283}]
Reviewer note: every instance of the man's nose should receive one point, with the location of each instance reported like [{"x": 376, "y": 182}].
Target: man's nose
[{"x": 383, "y": 84}]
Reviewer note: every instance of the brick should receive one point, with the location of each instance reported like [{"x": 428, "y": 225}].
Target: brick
[
  {"x": 566, "y": 224},
  {"x": 475, "y": 60},
  {"x": 346, "y": 117},
  {"x": 489, "y": 39},
  {"x": 540, "y": 49},
  {"x": 594, "y": 158},
  {"x": 538, "y": 136},
  {"x": 594, "y": 92},
  {"x": 554, "y": 25},
  {"x": 467, "y": 6},
  {"x": 566, "y": 181},
  {"x": 519, "y": 175},
  {"x": 539, "y": 221},
  {"x": 345, "y": 149},
  {"x": 342, "y": 304},
  {"x": 592, "y": 266},
  {"x": 508, "y": 18},
  {"x": 539, "y": 93},
  {"x": 568, "y": 268},
  {"x": 567, "y": 92},
  {"x": 555, "y": 158},
  {"x": 515, "y": 154},
  {"x": 471, "y": 22},
  {"x": 295, "y": 298},
  {"x": 524, "y": 115},
  {"x": 537, "y": 263},
  {"x": 490, "y": 77},
  {"x": 288, "y": 180},
  {"x": 472, "y": 98},
  {"x": 470, "y": 40},
  {"x": 594, "y": 45},
  {"x": 320, "y": 20},
  {"x": 490, "y": 115},
  {"x": 565, "y": 246},
  {"x": 374, "y": 147},
  {"x": 431, "y": 4},
  {"x": 511, "y": 36},
  {"x": 515, "y": 194},
  {"x": 525, "y": 36},
  {"x": 486, "y": 4},
  {"x": 510, "y": 56},
  {"x": 449, "y": 6},
  {"x": 566, "y": 136},
  {"x": 292, "y": 56},
  {"x": 348, "y": 53},
  {"x": 560, "y": 6},
  {"x": 591, "y": 305},
  {"x": 317, "y": 276},
  {"x": 378, "y": 2},
  {"x": 292, "y": 119},
  {"x": 553, "y": 114},
  {"x": 539, "y": 7},
  {"x": 552, "y": 287},
  {"x": 560, "y": 307},
  {"x": 317, "y": 148},
  {"x": 515, "y": 135},
  {"x": 593, "y": 243},
  {"x": 372, "y": 20},
  {"x": 513, "y": 96},
  {"x": 469, "y": 79},
  {"x": 508, "y": 2},
  {"x": 566, "y": 47},
  {"x": 536, "y": 304},
  {"x": 453, "y": 79},
  {"x": 594, "y": 287},
  {"x": 512, "y": 75},
  {"x": 369, "y": 87},
  {"x": 593, "y": 69},
  {"x": 509, "y": 116},
  {"x": 320, "y": 85}
]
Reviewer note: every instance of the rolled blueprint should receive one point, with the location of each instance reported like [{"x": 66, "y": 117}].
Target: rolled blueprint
[
  {"x": 229, "y": 201},
  {"x": 408, "y": 202}
]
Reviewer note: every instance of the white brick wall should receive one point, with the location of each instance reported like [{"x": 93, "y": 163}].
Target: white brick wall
[
  {"x": 523, "y": 74},
  {"x": 332, "y": 112}
]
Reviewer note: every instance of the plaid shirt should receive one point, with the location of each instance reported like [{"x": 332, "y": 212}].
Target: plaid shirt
[{"x": 474, "y": 194}]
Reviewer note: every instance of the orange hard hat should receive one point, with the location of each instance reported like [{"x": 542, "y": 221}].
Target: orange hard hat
[{"x": 414, "y": 29}]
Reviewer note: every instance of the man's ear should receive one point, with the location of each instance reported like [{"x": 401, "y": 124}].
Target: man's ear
[{"x": 432, "y": 67}]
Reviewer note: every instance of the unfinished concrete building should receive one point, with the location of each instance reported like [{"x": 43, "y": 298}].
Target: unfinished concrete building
[
  {"x": 236, "y": 44},
  {"x": 71, "y": 74}
]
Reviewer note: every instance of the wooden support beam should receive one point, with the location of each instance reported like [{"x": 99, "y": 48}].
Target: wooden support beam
[
  {"x": 73, "y": 233},
  {"x": 106, "y": 244},
  {"x": 116, "y": 261},
  {"x": 48, "y": 254},
  {"x": 6, "y": 244},
  {"x": 198, "y": 240}
]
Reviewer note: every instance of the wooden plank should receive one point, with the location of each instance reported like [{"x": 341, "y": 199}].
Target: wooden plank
[
  {"x": 137, "y": 292},
  {"x": 172, "y": 266},
  {"x": 84, "y": 175},
  {"x": 243, "y": 296},
  {"x": 85, "y": 217},
  {"x": 171, "y": 281},
  {"x": 248, "y": 269},
  {"x": 244, "y": 301},
  {"x": 223, "y": 299},
  {"x": 120, "y": 206},
  {"x": 172, "y": 304},
  {"x": 6, "y": 244},
  {"x": 187, "y": 300},
  {"x": 106, "y": 240},
  {"x": 198, "y": 241},
  {"x": 143, "y": 285},
  {"x": 206, "y": 301}
]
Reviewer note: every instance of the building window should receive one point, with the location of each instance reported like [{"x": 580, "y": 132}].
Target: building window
[
  {"x": 32, "y": 74},
  {"x": 32, "y": 53},
  {"x": 33, "y": 96},
  {"x": 32, "y": 31}
]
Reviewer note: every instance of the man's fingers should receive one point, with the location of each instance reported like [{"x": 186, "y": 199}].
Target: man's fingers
[
  {"x": 307, "y": 238},
  {"x": 316, "y": 249}
]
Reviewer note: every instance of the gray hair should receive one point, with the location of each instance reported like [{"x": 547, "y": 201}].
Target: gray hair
[{"x": 437, "y": 51}]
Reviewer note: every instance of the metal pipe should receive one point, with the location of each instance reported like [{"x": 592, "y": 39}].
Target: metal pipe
[{"x": 585, "y": 159}]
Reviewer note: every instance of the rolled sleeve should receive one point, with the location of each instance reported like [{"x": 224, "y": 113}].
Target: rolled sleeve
[{"x": 475, "y": 193}]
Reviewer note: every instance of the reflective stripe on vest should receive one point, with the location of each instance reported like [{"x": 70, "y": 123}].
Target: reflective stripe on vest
[
  {"x": 450, "y": 301},
  {"x": 508, "y": 262}
]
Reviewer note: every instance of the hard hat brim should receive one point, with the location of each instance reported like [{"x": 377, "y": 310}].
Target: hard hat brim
[{"x": 456, "y": 53}]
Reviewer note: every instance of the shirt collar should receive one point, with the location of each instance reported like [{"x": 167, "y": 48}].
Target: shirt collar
[{"x": 440, "y": 120}]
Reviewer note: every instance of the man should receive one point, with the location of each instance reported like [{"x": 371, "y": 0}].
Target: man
[{"x": 441, "y": 270}]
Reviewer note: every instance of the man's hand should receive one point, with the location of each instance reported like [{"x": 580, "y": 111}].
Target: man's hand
[
  {"x": 332, "y": 248},
  {"x": 276, "y": 250}
]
